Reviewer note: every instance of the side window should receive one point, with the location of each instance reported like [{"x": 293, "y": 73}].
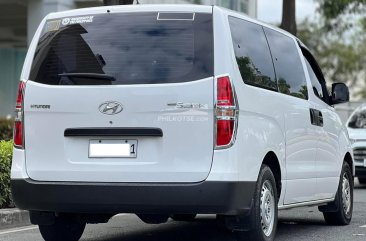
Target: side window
[
  {"x": 289, "y": 71},
  {"x": 252, "y": 54},
  {"x": 315, "y": 83}
]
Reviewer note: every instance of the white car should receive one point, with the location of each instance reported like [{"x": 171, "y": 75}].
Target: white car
[
  {"x": 172, "y": 111},
  {"x": 356, "y": 125}
]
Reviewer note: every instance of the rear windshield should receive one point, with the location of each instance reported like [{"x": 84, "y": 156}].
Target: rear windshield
[
  {"x": 123, "y": 49},
  {"x": 358, "y": 119}
]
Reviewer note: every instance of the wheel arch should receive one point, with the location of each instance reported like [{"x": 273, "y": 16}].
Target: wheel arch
[
  {"x": 348, "y": 159},
  {"x": 273, "y": 163}
]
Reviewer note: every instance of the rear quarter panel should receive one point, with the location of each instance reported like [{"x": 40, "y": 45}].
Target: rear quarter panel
[
  {"x": 345, "y": 145},
  {"x": 260, "y": 124}
]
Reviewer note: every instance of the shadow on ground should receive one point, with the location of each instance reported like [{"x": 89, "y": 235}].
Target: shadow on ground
[{"x": 206, "y": 228}]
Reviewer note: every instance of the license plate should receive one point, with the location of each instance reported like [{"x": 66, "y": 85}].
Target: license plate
[
  {"x": 364, "y": 162},
  {"x": 112, "y": 148}
]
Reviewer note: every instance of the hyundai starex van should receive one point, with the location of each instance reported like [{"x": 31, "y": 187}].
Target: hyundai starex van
[{"x": 172, "y": 111}]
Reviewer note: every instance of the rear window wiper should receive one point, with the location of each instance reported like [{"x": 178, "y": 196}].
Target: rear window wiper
[{"x": 89, "y": 75}]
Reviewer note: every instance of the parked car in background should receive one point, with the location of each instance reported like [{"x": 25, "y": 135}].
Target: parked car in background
[
  {"x": 172, "y": 111},
  {"x": 356, "y": 125}
]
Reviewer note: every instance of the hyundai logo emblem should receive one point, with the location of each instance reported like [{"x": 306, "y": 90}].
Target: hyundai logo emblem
[{"x": 110, "y": 108}]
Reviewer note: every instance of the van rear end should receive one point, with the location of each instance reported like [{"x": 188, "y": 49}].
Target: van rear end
[{"x": 119, "y": 110}]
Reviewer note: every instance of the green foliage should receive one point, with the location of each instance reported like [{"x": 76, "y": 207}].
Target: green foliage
[
  {"x": 335, "y": 8},
  {"x": 347, "y": 63},
  {"x": 252, "y": 74},
  {"x": 283, "y": 86},
  {"x": 6, "y": 148},
  {"x": 341, "y": 57},
  {"x": 343, "y": 15},
  {"x": 303, "y": 92},
  {"x": 6, "y": 129}
]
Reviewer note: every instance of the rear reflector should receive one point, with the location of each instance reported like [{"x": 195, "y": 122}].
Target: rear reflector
[
  {"x": 18, "y": 124},
  {"x": 225, "y": 113}
]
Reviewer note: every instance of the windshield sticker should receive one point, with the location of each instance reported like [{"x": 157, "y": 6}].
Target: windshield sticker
[
  {"x": 77, "y": 20},
  {"x": 53, "y": 25}
]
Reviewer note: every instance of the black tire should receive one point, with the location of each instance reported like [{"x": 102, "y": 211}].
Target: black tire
[
  {"x": 362, "y": 180},
  {"x": 62, "y": 230},
  {"x": 266, "y": 181},
  {"x": 183, "y": 217},
  {"x": 343, "y": 204}
]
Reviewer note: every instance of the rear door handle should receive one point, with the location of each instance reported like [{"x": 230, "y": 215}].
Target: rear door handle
[{"x": 316, "y": 117}]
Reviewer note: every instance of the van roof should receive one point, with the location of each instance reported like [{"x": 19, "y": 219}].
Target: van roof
[
  {"x": 156, "y": 8},
  {"x": 133, "y": 8}
]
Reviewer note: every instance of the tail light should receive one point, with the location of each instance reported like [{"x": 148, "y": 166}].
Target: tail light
[
  {"x": 226, "y": 113},
  {"x": 18, "y": 124}
]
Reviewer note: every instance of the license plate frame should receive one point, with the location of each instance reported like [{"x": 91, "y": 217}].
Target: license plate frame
[{"x": 107, "y": 148}]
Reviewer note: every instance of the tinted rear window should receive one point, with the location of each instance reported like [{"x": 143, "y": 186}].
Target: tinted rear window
[
  {"x": 289, "y": 70},
  {"x": 134, "y": 48},
  {"x": 252, "y": 54}
]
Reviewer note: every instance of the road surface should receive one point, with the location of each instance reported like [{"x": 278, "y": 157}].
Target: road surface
[{"x": 301, "y": 224}]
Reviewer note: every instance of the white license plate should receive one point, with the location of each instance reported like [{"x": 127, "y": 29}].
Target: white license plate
[{"x": 112, "y": 148}]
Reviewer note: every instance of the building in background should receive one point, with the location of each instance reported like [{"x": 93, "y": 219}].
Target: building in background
[{"x": 19, "y": 20}]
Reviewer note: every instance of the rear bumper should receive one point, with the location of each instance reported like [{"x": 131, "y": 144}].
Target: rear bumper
[
  {"x": 360, "y": 172},
  {"x": 206, "y": 197}
]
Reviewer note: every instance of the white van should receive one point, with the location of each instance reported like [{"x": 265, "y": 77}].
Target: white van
[
  {"x": 172, "y": 111},
  {"x": 356, "y": 125}
]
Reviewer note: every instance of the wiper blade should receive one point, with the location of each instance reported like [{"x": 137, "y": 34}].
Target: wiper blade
[{"x": 89, "y": 75}]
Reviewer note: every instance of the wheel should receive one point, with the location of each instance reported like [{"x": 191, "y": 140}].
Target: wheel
[
  {"x": 263, "y": 219},
  {"x": 362, "y": 180},
  {"x": 343, "y": 203},
  {"x": 63, "y": 229},
  {"x": 183, "y": 217}
]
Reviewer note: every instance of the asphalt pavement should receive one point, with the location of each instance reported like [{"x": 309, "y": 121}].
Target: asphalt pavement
[{"x": 296, "y": 224}]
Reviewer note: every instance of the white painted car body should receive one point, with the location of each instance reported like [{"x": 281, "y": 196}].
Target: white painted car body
[{"x": 310, "y": 157}]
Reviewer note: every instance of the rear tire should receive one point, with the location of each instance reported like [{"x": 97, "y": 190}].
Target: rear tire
[
  {"x": 362, "y": 180},
  {"x": 343, "y": 202},
  {"x": 62, "y": 230},
  {"x": 263, "y": 219},
  {"x": 183, "y": 217}
]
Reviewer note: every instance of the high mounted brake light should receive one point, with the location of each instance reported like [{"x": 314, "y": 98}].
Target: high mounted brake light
[{"x": 226, "y": 112}]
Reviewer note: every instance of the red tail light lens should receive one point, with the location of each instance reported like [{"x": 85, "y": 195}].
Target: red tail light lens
[
  {"x": 18, "y": 134},
  {"x": 225, "y": 131},
  {"x": 19, "y": 103},
  {"x": 224, "y": 92},
  {"x": 18, "y": 124},
  {"x": 226, "y": 112}
]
